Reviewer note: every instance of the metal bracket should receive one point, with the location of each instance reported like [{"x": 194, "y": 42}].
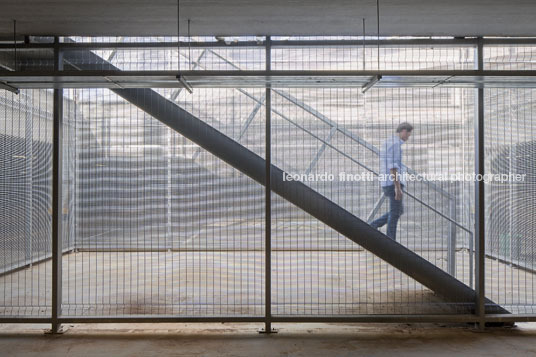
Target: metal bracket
[
  {"x": 264, "y": 332},
  {"x": 4, "y": 85},
  {"x": 59, "y": 331},
  {"x": 443, "y": 81},
  {"x": 185, "y": 84}
]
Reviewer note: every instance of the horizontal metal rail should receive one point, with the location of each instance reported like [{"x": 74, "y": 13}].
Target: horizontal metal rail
[
  {"x": 269, "y": 73},
  {"x": 409, "y": 42},
  {"x": 259, "y": 79},
  {"x": 379, "y": 318}
]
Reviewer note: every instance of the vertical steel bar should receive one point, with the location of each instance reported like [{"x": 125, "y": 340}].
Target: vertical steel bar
[
  {"x": 511, "y": 210},
  {"x": 169, "y": 191},
  {"x": 28, "y": 152},
  {"x": 364, "y": 48},
  {"x": 268, "y": 193},
  {"x": 15, "y": 44},
  {"x": 451, "y": 244},
  {"x": 57, "y": 194},
  {"x": 471, "y": 263},
  {"x": 378, "y": 30},
  {"x": 479, "y": 196}
]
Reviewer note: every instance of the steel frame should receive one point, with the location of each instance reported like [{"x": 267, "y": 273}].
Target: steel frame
[
  {"x": 315, "y": 42},
  {"x": 480, "y": 214},
  {"x": 268, "y": 199},
  {"x": 260, "y": 79},
  {"x": 57, "y": 148},
  {"x": 480, "y": 317}
]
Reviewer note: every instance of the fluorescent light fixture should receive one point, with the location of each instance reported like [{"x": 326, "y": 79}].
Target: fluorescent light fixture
[{"x": 371, "y": 83}]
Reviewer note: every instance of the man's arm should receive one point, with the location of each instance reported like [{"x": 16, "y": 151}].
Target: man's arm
[{"x": 398, "y": 187}]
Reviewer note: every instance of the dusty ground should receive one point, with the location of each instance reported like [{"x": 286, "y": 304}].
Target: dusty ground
[{"x": 292, "y": 339}]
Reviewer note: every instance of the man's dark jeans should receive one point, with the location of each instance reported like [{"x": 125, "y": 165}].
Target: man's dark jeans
[{"x": 395, "y": 211}]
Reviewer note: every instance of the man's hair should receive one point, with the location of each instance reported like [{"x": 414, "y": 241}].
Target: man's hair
[{"x": 404, "y": 126}]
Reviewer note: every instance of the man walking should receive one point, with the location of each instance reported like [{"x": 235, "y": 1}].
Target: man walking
[{"x": 392, "y": 178}]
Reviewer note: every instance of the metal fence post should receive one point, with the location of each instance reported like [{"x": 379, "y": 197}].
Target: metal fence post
[
  {"x": 28, "y": 152},
  {"x": 480, "y": 246},
  {"x": 451, "y": 244},
  {"x": 268, "y": 193},
  {"x": 57, "y": 138}
]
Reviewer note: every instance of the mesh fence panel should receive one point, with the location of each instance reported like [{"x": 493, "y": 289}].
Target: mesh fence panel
[
  {"x": 163, "y": 227},
  {"x": 510, "y": 223},
  {"x": 310, "y": 57},
  {"x": 510, "y": 58},
  {"x": 509, "y": 145},
  {"x": 25, "y": 202},
  {"x": 154, "y": 224},
  {"x": 318, "y": 271}
]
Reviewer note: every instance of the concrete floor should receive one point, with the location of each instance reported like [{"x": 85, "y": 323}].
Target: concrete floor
[
  {"x": 368, "y": 286},
  {"x": 292, "y": 339}
]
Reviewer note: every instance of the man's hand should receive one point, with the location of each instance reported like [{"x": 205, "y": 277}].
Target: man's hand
[
  {"x": 398, "y": 193},
  {"x": 398, "y": 188}
]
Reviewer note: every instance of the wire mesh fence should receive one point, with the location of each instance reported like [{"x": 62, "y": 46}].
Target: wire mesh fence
[
  {"x": 510, "y": 133},
  {"x": 25, "y": 201},
  {"x": 163, "y": 227},
  {"x": 335, "y": 148},
  {"x": 369, "y": 57},
  {"x": 510, "y": 242},
  {"x": 154, "y": 224}
]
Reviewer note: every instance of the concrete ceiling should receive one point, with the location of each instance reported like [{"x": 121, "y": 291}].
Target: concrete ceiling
[{"x": 273, "y": 17}]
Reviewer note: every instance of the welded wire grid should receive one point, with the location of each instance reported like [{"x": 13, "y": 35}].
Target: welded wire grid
[
  {"x": 153, "y": 224},
  {"x": 26, "y": 59},
  {"x": 339, "y": 132},
  {"x": 163, "y": 227},
  {"x": 25, "y": 202},
  {"x": 165, "y": 58},
  {"x": 510, "y": 57},
  {"x": 509, "y": 144},
  {"x": 510, "y": 224},
  {"x": 369, "y": 57},
  {"x": 333, "y": 131}
]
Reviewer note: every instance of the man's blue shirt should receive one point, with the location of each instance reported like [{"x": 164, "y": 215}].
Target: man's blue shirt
[{"x": 391, "y": 158}]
